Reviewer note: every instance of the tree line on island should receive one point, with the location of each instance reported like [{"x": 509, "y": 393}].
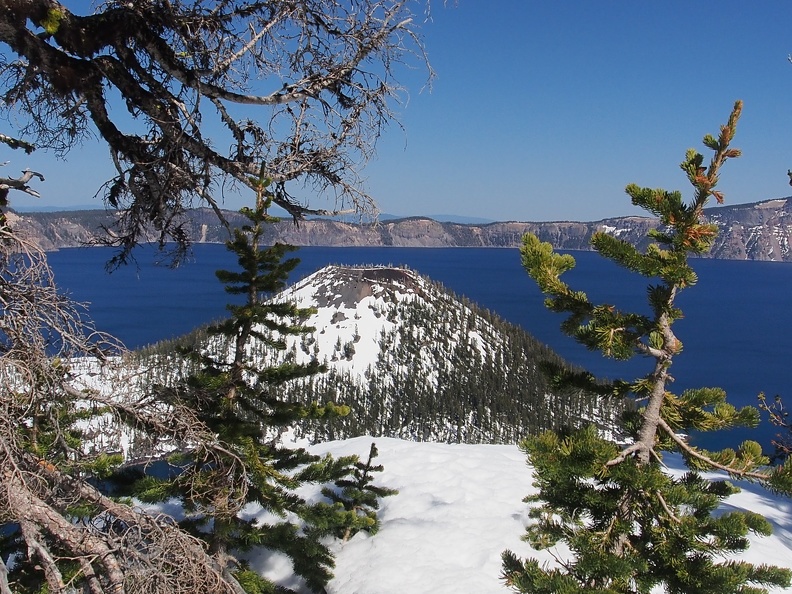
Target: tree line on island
[{"x": 432, "y": 380}]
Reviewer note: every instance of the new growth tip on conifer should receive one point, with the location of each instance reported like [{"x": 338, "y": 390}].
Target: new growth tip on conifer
[{"x": 631, "y": 527}]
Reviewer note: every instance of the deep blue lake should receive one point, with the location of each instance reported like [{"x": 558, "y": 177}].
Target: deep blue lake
[{"x": 737, "y": 330}]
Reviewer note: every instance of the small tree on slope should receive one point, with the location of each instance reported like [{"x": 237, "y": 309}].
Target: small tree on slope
[
  {"x": 631, "y": 527},
  {"x": 231, "y": 395},
  {"x": 357, "y": 498}
]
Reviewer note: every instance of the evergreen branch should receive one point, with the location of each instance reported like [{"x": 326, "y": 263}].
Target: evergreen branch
[
  {"x": 623, "y": 548},
  {"x": 708, "y": 461},
  {"x": 667, "y": 509},
  {"x": 625, "y": 254},
  {"x": 625, "y": 453}
]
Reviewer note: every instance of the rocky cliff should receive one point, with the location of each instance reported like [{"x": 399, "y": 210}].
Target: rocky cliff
[{"x": 758, "y": 231}]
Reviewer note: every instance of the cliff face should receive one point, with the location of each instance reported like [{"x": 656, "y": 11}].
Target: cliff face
[{"x": 758, "y": 231}]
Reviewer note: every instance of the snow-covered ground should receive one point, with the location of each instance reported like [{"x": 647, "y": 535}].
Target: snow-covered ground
[
  {"x": 460, "y": 506},
  {"x": 358, "y": 306}
]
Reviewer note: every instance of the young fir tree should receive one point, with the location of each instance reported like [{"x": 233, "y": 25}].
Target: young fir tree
[
  {"x": 231, "y": 395},
  {"x": 358, "y": 497},
  {"x": 630, "y": 527}
]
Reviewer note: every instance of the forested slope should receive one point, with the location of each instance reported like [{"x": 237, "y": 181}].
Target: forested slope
[{"x": 412, "y": 360}]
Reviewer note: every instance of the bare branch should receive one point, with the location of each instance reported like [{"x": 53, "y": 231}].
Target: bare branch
[
  {"x": 15, "y": 143},
  {"x": 20, "y": 183},
  {"x": 31, "y": 534},
  {"x": 321, "y": 76},
  {"x": 4, "y": 587},
  {"x": 44, "y": 340},
  {"x": 667, "y": 509},
  {"x": 626, "y": 453}
]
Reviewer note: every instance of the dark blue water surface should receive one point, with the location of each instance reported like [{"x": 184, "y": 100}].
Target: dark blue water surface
[{"x": 737, "y": 330}]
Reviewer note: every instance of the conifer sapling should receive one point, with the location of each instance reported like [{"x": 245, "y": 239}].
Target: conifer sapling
[
  {"x": 629, "y": 525},
  {"x": 358, "y": 497},
  {"x": 232, "y": 395}
]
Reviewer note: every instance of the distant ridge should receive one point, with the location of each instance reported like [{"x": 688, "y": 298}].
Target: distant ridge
[
  {"x": 384, "y": 216},
  {"x": 73, "y": 208},
  {"x": 446, "y": 218},
  {"x": 757, "y": 231}
]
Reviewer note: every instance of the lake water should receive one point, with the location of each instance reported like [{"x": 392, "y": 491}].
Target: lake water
[{"x": 737, "y": 330}]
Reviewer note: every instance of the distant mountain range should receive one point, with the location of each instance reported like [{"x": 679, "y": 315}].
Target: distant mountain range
[{"x": 757, "y": 231}]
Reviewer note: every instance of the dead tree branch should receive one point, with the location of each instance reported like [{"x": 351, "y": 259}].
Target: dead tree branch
[{"x": 214, "y": 91}]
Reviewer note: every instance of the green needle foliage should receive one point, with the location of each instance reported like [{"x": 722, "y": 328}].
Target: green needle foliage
[
  {"x": 232, "y": 397},
  {"x": 355, "y": 500},
  {"x": 629, "y": 526}
]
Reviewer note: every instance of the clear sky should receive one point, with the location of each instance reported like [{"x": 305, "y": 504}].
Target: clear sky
[{"x": 545, "y": 110}]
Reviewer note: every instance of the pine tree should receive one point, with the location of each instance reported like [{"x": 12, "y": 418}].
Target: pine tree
[
  {"x": 358, "y": 497},
  {"x": 236, "y": 400},
  {"x": 630, "y": 526}
]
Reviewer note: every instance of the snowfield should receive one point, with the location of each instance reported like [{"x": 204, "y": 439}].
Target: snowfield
[{"x": 458, "y": 507}]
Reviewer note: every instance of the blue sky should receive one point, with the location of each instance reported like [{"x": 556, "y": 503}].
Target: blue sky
[{"x": 546, "y": 110}]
